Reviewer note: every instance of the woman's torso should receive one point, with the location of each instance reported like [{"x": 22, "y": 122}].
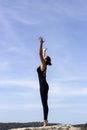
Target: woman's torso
[{"x": 41, "y": 75}]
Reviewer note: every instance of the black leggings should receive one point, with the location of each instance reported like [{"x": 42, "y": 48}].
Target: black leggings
[{"x": 44, "y": 98}]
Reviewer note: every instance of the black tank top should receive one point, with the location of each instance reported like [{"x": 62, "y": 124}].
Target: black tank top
[{"x": 41, "y": 75}]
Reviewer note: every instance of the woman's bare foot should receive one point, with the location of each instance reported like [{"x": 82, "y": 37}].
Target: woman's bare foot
[{"x": 45, "y": 123}]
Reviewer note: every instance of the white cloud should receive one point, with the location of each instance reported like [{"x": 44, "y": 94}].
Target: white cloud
[
  {"x": 69, "y": 105},
  {"x": 19, "y": 50},
  {"x": 63, "y": 90},
  {"x": 17, "y": 12},
  {"x": 19, "y": 106},
  {"x": 75, "y": 10},
  {"x": 21, "y": 82},
  {"x": 79, "y": 111},
  {"x": 71, "y": 78},
  {"x": 25, "y": 20}
]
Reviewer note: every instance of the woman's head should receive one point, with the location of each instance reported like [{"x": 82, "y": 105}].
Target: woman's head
[{"x": 48, "y": 60}]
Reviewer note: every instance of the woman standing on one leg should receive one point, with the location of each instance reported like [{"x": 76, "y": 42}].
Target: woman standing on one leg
[{"x": 44, "y": 87}]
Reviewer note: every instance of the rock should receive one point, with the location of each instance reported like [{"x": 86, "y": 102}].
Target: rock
[{"x": 55, "y": 127}]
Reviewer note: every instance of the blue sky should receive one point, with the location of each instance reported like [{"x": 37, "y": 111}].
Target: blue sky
[{"x": 63, "y": 25}]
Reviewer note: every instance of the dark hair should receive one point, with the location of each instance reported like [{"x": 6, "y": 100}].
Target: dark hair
[{"x": 48, "y": 62}]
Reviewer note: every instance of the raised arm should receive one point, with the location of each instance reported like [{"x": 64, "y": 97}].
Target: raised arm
[
  {"x": 44, "y": 52},
  {"x": 42, "y": 58},
  {"x": 41, "y": 50}
]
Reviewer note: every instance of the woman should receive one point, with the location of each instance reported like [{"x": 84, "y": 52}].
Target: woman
[{"x": 44, "y": 87}]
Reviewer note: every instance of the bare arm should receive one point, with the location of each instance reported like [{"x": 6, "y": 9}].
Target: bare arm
[
  {"x": 44, "y": 52},
  {"x": 41, "y": 54}
]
